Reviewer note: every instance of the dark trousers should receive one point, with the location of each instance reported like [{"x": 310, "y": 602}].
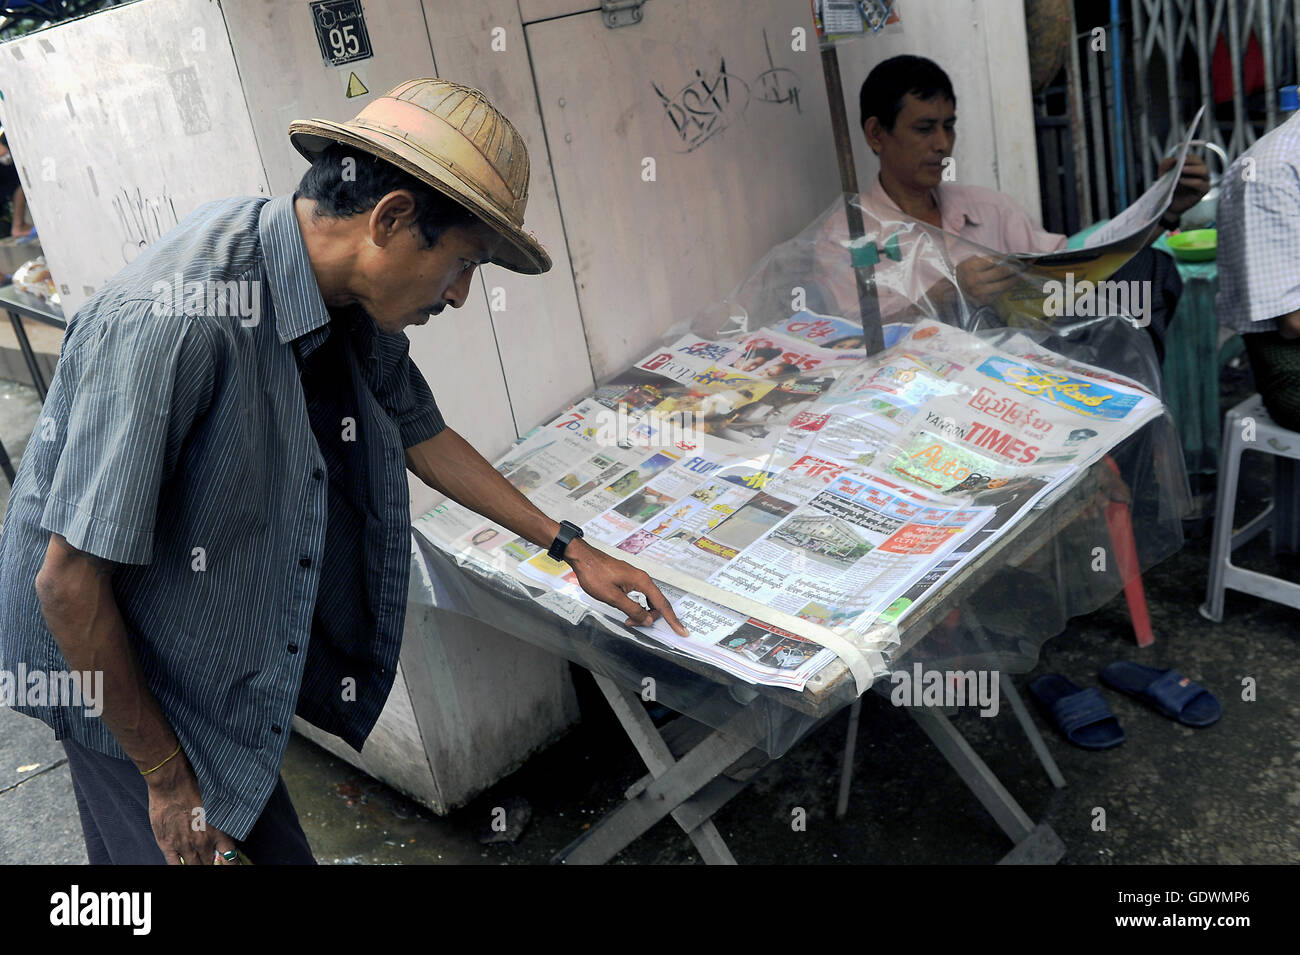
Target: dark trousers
[
  {"x": 113, "y": 801},
  {"x": 1152, "y": 265},
  {"x": 1275, "y": 363}
]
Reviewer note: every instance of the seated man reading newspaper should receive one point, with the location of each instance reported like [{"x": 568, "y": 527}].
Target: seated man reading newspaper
[{"x": 908, "y": 117}]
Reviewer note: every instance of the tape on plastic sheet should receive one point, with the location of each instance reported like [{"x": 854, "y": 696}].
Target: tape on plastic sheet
[{"x": 865, "y": 664}]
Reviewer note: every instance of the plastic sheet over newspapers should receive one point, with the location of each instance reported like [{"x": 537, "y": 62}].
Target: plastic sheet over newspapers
[{"x": 802, "y": 501}]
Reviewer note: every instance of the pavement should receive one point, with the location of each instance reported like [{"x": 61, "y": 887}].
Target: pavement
[{"x": 1170, "y": 794}]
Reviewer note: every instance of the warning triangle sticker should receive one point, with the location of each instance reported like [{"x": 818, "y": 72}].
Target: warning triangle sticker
[{"x": 355, "y": 86}]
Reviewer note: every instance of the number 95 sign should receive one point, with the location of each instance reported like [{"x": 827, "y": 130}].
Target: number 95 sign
[{"x": 341, "y": 31}]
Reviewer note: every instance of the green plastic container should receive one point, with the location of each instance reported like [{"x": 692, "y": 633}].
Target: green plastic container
[{"x": 1198, "y": 245}]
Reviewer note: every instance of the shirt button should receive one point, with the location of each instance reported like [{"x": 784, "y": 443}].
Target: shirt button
[
  {"x": 304, "y": 561},
  {"x": 276, "y": 729},
  {"x": 293, "y": 648},
  {"x": 318, "y": 474}
]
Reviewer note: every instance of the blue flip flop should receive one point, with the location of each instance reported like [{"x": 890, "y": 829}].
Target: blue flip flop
[
  {"x": 1168, "y": 691},
  {"x": 1082, "y": 716}
]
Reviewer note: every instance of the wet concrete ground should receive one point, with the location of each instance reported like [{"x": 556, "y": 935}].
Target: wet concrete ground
[{"x": 1227, "y": 794}]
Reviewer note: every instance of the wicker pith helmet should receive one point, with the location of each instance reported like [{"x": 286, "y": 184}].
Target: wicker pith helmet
[{"x": 452, "y": 138}]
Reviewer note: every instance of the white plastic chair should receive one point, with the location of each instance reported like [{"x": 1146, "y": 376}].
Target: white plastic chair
[{"x": 1248, "y": 427}]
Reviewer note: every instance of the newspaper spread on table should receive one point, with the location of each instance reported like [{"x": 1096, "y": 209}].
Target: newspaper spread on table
[{"x": 795, "y": 498}]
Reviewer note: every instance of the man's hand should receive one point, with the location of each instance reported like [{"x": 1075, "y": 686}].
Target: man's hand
[
  {"x": 1193, "y": 183},
  {"x": 77, "y": 600},
  {"x": 610, "y": 581},
  {"x": 173, "y": 798},
  {"x": 1288, "y": 325},
  {"x": 982, "y": 280}
]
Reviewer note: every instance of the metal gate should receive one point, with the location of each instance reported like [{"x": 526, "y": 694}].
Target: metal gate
[{"x": 1137, "y": 72}]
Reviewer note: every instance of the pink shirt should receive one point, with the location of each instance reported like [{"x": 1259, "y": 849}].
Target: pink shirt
[{"x": 984, "y": 217}]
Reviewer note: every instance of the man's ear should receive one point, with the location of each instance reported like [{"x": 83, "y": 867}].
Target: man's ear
[
  {"x": 872, "y": 130},
  {"x": 391, "y": 215}
]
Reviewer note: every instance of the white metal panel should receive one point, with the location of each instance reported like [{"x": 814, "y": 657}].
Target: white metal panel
[
  {"x": 1015, "y": 139},
  {"x": 981, "y": 45},
  {"x": 728, "y": 186},
  {"x": 286, "y": 78},
  {"x": 122, "y": 124},
  {"x": 536, "y": 320},
  {"x": 532, "y": 10}
]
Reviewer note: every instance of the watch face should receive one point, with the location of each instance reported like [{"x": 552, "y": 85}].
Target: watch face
[{"x": 567, "y": 533}]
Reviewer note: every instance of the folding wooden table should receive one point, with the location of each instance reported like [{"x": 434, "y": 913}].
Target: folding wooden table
[{"x": 731, "y": 730}]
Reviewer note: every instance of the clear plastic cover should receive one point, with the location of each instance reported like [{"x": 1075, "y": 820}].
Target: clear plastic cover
[{"x": 887, "y": 442}]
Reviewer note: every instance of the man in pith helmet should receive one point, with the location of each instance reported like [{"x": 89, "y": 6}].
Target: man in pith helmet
[{"x": 215, "y": 516}]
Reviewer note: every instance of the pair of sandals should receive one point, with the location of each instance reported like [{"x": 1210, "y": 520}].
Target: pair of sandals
[{"x": 1085, "y": 719}]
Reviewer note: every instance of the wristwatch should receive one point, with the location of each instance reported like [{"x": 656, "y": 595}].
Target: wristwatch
[{"x": 568, "y": 531}]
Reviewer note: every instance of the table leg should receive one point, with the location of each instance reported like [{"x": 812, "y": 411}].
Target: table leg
[
  {"x": 1031, "y": 730},
  {"x": 680, "y": 787},
  {"x": 655, "y": 752},
  {"x": 1286, "y": 515},
  {"x": 846, "y": 770},
  {"x": 29, "y": 356},
  {"x": 986, "y": 786},
  {"x": 1023, "y": 717}
]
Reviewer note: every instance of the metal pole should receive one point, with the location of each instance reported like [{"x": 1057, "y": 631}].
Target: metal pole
[
  {"x": 1117, "y": 90},
  {"x": 1078, "y": 127},
  {"x": 872, "y": 335},
  {"x": 846, "y": 770}
]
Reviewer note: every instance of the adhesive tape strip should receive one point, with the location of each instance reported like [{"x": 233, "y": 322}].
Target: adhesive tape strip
[{"x": 864, "y": 664}]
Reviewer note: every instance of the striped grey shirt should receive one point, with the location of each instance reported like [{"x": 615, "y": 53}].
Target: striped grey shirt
[{"x": 212, "y": 428}]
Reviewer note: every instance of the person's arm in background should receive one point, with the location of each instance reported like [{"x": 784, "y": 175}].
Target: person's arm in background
[
  {"x": 983, "y": 279},
  {"x": 450, "y": 465},
  {"x": 1288, "y": 326},
  {"x": 1193, "y": 184},
  {"x": 20, "y": 224}
]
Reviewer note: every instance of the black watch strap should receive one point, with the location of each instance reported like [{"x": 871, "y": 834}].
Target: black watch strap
[{"x": 568, "y": 531}]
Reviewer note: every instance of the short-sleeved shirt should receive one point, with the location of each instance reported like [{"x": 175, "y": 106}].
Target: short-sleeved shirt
[
  {"x": 1258, "y": 219},
  {"x": 241, "y": 453},
  {"x": 984, "y": 218}
]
